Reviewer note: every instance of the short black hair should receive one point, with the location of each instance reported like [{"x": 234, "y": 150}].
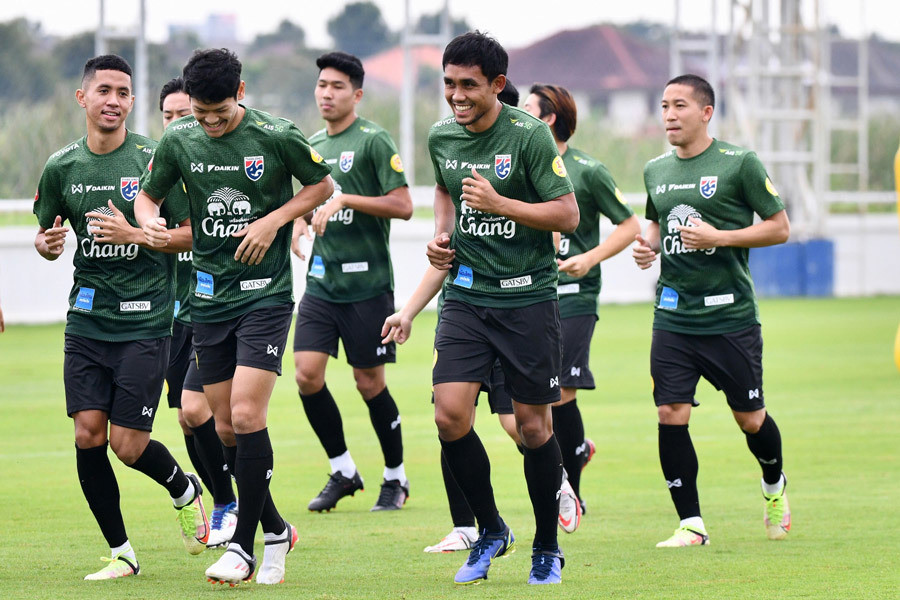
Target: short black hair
[
  {"x": 171, "y": 87},
  {"x": 346, "y": 63},
  {"x": 476, "y": 49},
  {"x": 703, "y": 92},
  {"x": 509, "y": 94},
  {"x": 104, "y": 62},
  {"x": 212, "y": 75}
]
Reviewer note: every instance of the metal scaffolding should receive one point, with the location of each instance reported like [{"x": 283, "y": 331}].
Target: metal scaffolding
[{"x": 137, "y": 34}]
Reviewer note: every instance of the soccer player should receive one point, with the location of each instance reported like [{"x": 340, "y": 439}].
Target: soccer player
[
  {"x": 701, "y": 199},
  {"x": 183, "y": 390},
  {"x": 350, "y": 282},
  {"x": 236, "y": 164},
  {"x": 118, "y": 327},
  {"x": 579, "y": 258},
  {"x": 500, "y": 170}
]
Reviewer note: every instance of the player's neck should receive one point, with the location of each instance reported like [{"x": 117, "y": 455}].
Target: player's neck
[
  {"x": 336, "y": 127},
  {"x": 695, "y": 147},
  {"x": 561, "y": 147},
  {"x": 487, "y": 120},
  {"x": 104, "y": 142}
]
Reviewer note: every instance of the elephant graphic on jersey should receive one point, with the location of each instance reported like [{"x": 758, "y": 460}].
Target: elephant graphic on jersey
[
  {"x": 228, "y": 200},
  {"x": 240, "y": 207},
  {"x": 680, "y": 215}
]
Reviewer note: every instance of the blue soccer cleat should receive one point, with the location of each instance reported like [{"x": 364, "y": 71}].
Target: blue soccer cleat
[
  {"x": 488, "y": 547},
  {"x": 546, "y": 566}
]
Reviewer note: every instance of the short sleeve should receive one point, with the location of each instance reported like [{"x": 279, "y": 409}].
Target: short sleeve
[
  {"x": 435, "y": 161},
  {"x": 301, "y": 160},
  {"x": 545, "y": 166},
  {"x": 48, "y": 200},
  {"x": 388, "y": 166},
  {"x": 163, "y": 171},
  {"x": 609, "y": 199},
  {"x": 757, "y": 188}
]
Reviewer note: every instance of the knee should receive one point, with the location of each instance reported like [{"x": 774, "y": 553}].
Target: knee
[
  {"x": 245, "y": 419},
  {"x": 534, "y": 433},
  {"x": 450, "y": 426},
  {"x": 225, "y": 432},
  {"x": 128, "y": 449},
  {"x": 309, "y": 381},
  {"x": 85, "y": 438},
  {"x": 673, "y": 414},
  {"x": 183, "y": 423},
  {"x": 750, "y": 422},
  {"x": 193, "y": 414},
  {"x": 368, "y": 384}
]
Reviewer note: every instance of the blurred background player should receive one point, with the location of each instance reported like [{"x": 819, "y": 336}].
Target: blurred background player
[
  {"x": 183, "y": 388},
  {"x": 579, "y": 257},
  {"x": 350, "y": 282},
  {"x": 118, "y": 327},
  {"x": 701, "y": 200}
]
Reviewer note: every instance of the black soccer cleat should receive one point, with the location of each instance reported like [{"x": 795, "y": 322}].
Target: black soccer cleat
[
  {"x": 337, "y": 487},
  {"x": 393, "y": 495}
]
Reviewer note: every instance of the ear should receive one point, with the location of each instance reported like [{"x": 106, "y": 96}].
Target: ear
[
  {"x": 549, "y": 119},
  {"x": 357, "y": 95},
  {"x": 707, "y": 113},
  {"x": 79, "y": 98},
  {"x": 240, "y": 91},
  {"x": 498, "y": 84}
]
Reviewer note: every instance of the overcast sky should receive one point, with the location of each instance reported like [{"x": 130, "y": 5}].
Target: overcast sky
[{"x": 513, "y": 27}]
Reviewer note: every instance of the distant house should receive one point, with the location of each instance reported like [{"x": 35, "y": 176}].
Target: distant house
[{"x": 385, "y": 69}]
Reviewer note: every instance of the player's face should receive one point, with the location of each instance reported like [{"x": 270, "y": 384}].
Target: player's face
[
  {"x": 175, "y": 106},
  {"x": 335, "y": 95},
  {"x": 107, "y": 99},
  {"x": 533, "y": 105},
  {"x": 219, "y": 118},
  {"x": 469, "y": 93},
  {"x": 683, "y": 117}
]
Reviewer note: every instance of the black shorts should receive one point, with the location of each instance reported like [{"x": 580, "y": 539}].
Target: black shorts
[
  {"x": 179, "y": 359},
  {"x": 526, "y": 341},
  {"x": 495, "y": 388},
  {"x": 255, "y": 339},
  {"x": 358, "y": 325},
  {"x": 123, "y": 379},
  {"x": 576, "y": 352},
  {"x": 732, "y": 362},
  {"x": 192, "y": 377}
]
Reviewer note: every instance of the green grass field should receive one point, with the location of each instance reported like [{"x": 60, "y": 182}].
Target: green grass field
[{"x": 830, "y": 383}]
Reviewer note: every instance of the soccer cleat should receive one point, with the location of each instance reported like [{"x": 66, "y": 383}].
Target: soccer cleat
[
  {"x": 393, "y": 495},
  {"x": 777, "y": 515},
  {"x": 546, "y": 566},
  {"x": 272, "y": 569},
  {"x": 459, "y": 538},
  {"x": 685, "y": 536},
  {"x": 488, "y": 547},
  {"x": 221, "y": 524},
  {"x": 192, "y": 519},
  {"x": 118, "y": 566},
  {"x": 337, "y": 487},
  {"x": 587, "y": 451},
  {"x": 569, "y": 508},
  {"x": 233, "y": 567}
]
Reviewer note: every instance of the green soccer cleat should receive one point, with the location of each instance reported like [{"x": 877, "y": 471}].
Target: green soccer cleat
[
  {"x": 686, "y": 536},
  {"x": 777, "y": 515},
  {"x": 192, "y": 520},
  {"x": 118, "y": 566}
]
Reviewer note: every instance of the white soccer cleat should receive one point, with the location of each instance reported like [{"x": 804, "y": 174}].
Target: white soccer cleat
[
  {"x": 460, "y": 538},
  {"x": 222, "y": 524},
  {"x": 686, "y": 536},
  {"x": 272, "y": 569},
  {"x": 233, "y": 567},
  {"x": 569, "y": 508}
]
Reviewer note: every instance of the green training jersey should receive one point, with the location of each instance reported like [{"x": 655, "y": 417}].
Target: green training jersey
[
  {"x": 122, "y": 292},
  {"x": 183, "y": 263},
  {"x": 232, "y": 181},
  {"x": 706, "y": 291},
  {"x": 597, "y": 194},
  {"x": 500, "y": 263},
  {"x": 352, "y": 260}
]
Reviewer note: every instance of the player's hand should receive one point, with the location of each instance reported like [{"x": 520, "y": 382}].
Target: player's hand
[
  {"x": 698, "y": 235},
  {"x": 325, "y": 212},
  {"x": 396, "y": 328},
  {"x": 258, "y": 237},
  {"x": 113, "y": 229},
  {"x": 642, "y": 253},
  {"x": 481, "y": 195},
  {"x": 439, "y": 253},
  {"x": 55, "y": 237},
  {"x": 156, "y": 234},
  {"x": 577, "y": 266},
  {"x": 300, "y": 228}
]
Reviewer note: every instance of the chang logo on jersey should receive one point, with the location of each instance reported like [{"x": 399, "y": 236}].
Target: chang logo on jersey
[
  {"x": 476, "y": 223},
  {"x": 254, "y": 167},
  {"x": 708, "y": 186},
  {"x": 680, "y": 215},
  {"x": 128, "y": 187},
  {"x": 563, "y": 245},
  {"x": 502, "y": 165},
  {"x": 91, "y": 249},
  {"x": 346, "y": 161},
  {"x": 344, "y": 215},
  {"x": 229, "y": 212},
  {"x": 186, "y": 256}
]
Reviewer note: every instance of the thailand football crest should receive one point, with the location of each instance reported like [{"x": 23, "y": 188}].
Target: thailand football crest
[
  {"x": 346, "y": 162},
  {"x": 708, "y": 186},
  {"x": 128, "y": 186},
  {"x": 254, "y": 167},
  {"x": 502, "y": 165}
]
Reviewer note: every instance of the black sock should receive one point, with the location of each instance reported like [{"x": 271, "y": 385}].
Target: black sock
[
  {"x": 459, "y": 509},
  {"x": 521, "y": 449},
  {"x": 325, "y": 419},
  {"x": 159, "y": 465},
  {"x": 385, "y": 419},
  {"x": 230, "y": 454},
  {"x": 765, "y": 445},
  {"x": 101, "y": 490},
  {"x": 253, "y": 473},
  {"x": 679, "y": 467},
  {"x": 569, "y": 430},
  {"x": 543, "y": 474},
  {"x": 209, "y": 449},
  {"x": 471, "y": 468},
  {"x": 190, "y": 444}
]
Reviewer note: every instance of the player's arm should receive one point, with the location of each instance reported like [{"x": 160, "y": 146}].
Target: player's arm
[
  {"x": 396, "y": 204},
  {"x": 115, "y": 229},
  {"x": 618, "y": 240},
  {"x": 646, "y": 247},
  {"x": 438, "y": 251},
  {"x": 50, "y": 242},
  {"x": 699, "y": 235},
  {"x": 398, "y": 326}
]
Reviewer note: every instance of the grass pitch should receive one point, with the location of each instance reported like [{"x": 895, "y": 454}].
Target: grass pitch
[{"x": 830, "y": 383}]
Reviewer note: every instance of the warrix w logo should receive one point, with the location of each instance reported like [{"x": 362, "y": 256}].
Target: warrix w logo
[
  {"x": 767, "y": 462},
  {"x": 196, "y": 167},
  {"x": 450, "y": 164},
  {"x": 554, "y": 382},
  {"x": 269, "y": 474},
  {"x": 395, "y": 423},
  {"x": 673, "y": 484},
  {"x": 78, "y": 188},
  {"x": 381, "y": 351},
  {"x": 753, "y": 394},
  {"x": 147, "y": 412},
  {"x": 272, "y": 349},
  {"x": 576, "y": 372},
  {"x": 661, "y": 189}
]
